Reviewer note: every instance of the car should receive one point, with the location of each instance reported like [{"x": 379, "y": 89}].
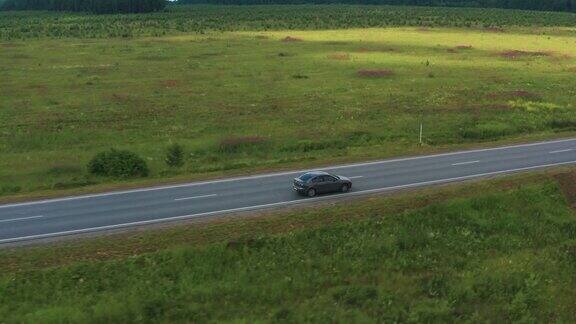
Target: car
[{"x": 317, "y": 182}]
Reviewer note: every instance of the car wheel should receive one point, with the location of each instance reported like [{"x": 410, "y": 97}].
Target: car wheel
[
  {"x": 311, "y": 192},
  {"x": 345, "y": 188}
]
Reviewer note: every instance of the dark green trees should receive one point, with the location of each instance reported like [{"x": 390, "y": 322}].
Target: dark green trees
[
  {"x": 547, "y": 5},
  {"x": 94, "y": 6}
]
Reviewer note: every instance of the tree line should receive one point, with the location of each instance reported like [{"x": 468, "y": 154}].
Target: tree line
[
  {"x": 544, "y": 5},
  {"x": 93, "y": 6}
]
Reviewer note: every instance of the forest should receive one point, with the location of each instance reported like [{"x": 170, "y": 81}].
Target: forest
[
  {"x": 544, "y": 5},
  {"x": 93, "y": 6}
]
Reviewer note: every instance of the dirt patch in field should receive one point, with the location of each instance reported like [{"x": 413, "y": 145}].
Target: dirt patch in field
[
  {"x": 39, "y": 88},
  {"x": 170, "y": 83},
  {"x": 339, "y": 56},
  {"x": 458, "y": 48},
  {"x": 380, "y": 73},
  {"x": 571, "y": 69},
  {"x": 368, "y": 50},
  {"x": 516, "y": 54},
  {"x": 120, "y": 97},
  {"x": 567, "y": 182},
  {"x": 289, "y": 39},
  {"x": 561, "y": 57},
  {"x": 261, "y": 37},
  {"x": 515, "y": 94}
]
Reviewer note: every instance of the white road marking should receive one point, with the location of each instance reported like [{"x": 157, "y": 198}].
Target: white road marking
[
  {"x": 356, "y": 177},
  {"x": 20, "y": 219},
  {"x": 280, "y": 173},
  {"x": 282, "y": 203},
  {"x": 464, "y": 163},
  {"x": 196, "y": 197},
  {"x": 561, "y": 151}
]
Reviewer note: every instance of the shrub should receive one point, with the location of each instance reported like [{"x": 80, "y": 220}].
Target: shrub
[
  {"x": 118, "y": 164},
  {"x": 175, "y": 156},
  {"x": 563, "y": 124},
  {"x": 489, "y": 130}
]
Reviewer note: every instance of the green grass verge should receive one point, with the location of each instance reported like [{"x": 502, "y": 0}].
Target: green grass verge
[
  {"x": 504, "y": 253},
  {"x": 241, "y": 101}
]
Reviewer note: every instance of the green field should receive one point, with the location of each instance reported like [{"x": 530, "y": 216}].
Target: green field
[
  {"x": 247, "y": 100},
  {"x": 497, "y": 251}
]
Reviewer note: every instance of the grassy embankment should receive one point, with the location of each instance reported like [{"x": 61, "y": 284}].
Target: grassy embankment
[
  {"x": 247, "y": 100},
  {"x": 499, "y": 250}
]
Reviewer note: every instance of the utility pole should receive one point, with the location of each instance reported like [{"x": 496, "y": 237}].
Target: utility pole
[{"x": 421, "y": 127}]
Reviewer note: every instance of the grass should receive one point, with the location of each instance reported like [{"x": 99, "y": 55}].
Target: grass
[
  {"x": 245, "y": 101},
  {"x": 498, "y": 251}
]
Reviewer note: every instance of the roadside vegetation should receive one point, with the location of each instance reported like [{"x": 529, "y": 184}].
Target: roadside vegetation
[
  {"x": 255, "y": 100},
  {"x": 499, "y": 251}
]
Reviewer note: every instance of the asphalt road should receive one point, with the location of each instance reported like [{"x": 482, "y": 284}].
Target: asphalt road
[{"x": 74, "y": 215}]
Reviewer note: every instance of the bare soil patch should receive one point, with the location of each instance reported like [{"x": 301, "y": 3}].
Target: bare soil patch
[
  {"x": 368, "y": 50},
  {"x": 515, "y": 94},
  {"x": 339, "y": 57},
  {"x": 41, "y": 89},
  {"x": 567, "y": 182},
  {"x": 380, "y": 73},
  {"x": 571, "y": 69},
  {"x": 463, "y": 47},
  {"x": 516, "y": 54},
  {"x": 289, "y": 39},
  {"x": 121, "y": 97},
  {"x": 170, "y": 83}
]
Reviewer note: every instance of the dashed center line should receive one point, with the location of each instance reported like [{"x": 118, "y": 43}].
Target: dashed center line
[
  {"x": 196, "y": 197},
  {"x": 20, "y": 219},
  {"x": 464, "y": 163},
  {"x": 561, "y": 151},
  {"x": 356, "y": 177}
]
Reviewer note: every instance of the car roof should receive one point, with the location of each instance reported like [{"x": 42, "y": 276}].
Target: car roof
[{"x": 317, "y": 173}]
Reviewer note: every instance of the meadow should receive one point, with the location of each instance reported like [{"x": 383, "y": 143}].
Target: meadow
[
  {"x": 495, "y": 251},
  {"x": 264, "y": 96}
]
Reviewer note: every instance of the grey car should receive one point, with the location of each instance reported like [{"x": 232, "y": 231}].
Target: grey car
[{"x": 318, "y": 182}]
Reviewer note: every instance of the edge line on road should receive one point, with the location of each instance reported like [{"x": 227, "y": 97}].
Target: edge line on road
[
  {"x": 464, "y": 163},
  {"x": 195, "y": 197},
  {"x": 20, "y": 219},
  {"x": 561, "y": 151},
  {"x": 264, "y": 206}
]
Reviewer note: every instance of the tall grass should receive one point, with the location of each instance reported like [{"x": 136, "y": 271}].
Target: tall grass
[{"x": 498, "y": 257}]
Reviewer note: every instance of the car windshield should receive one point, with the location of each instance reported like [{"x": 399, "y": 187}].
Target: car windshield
[{"x": 306, "y": 176}]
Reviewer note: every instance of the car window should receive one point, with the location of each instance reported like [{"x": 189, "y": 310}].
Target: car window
[
  {"x": 317, "y": 179},
  {"x": 330, "y": 178},
  {"x": 306, "y": 176}
]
